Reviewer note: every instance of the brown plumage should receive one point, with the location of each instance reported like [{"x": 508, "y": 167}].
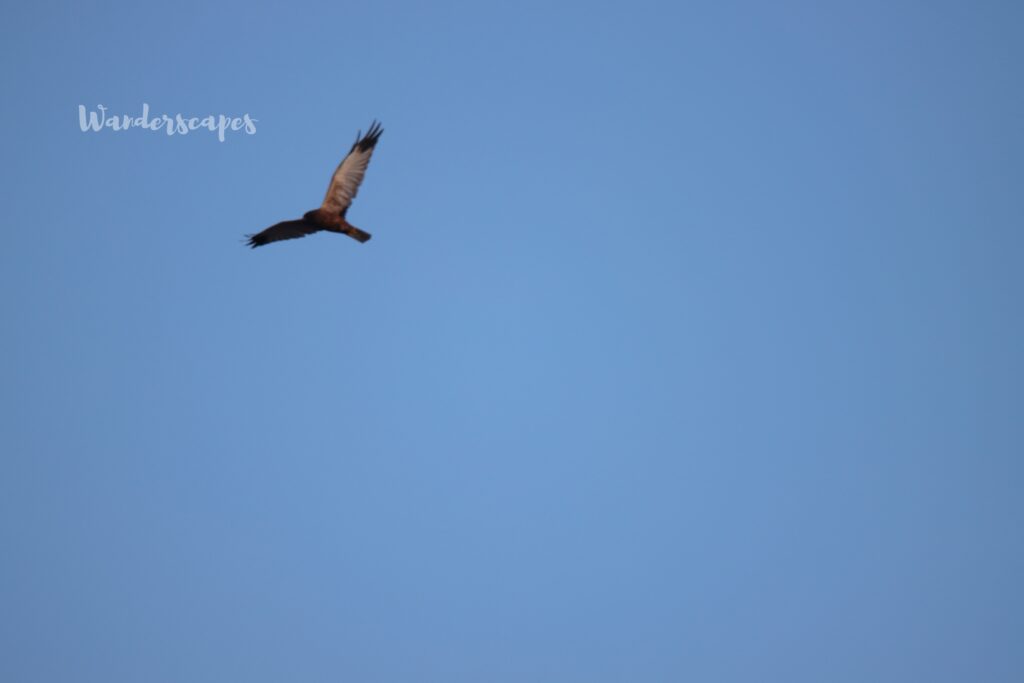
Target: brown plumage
[{"x": 340, "y": 193}]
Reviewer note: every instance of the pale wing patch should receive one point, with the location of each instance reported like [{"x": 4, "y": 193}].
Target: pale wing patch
[
  {"x": 345, "y": 183},
  {"x": 349, "y": 175}
]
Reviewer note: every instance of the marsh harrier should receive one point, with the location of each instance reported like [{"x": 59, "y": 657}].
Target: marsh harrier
[{"x": 340, "y": 193}]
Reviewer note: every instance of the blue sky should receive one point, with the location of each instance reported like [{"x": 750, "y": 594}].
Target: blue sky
[{"x": 687, "y": 346}]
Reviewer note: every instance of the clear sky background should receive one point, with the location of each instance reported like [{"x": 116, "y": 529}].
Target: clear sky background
[{"x": 687, "y": 346}]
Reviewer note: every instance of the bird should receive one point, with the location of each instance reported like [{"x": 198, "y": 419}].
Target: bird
[{"x": 340, "y": 193}]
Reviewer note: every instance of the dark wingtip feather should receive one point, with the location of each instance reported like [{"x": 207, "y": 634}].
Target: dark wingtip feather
[{"x": 369, "y": 141}]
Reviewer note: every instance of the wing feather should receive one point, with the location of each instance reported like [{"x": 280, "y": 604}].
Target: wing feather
[
  {"x": 285, "y": 230},
  {"x": 349, "y": 174}
]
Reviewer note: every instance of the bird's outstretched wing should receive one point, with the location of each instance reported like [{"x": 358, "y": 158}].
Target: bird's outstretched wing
[
  {"x": 285, "y": 230},
  {"x": 347, "y": 178}
]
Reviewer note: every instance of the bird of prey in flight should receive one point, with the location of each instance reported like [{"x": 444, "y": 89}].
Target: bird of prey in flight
[{"x": 340, "y": 193}]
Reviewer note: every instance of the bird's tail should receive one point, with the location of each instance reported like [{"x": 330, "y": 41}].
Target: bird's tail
[{"x": 355, "y": 233}]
